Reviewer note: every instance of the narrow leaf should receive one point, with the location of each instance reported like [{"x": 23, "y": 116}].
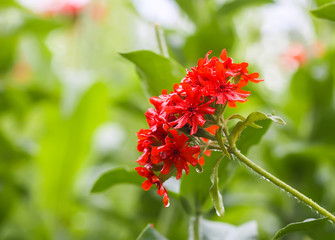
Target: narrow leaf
[
  {"x": 231, "y": 7},
  {"x": 195, "y": 186},
  {"x": 253, "y": 117},
  {"x": 238, "y": 116},
  {"x": 326, "y": 11},
  {"x": 309, "y": 226},
  {"x": 214, "y": 191},
  {"x": 72, "y": 134},
  {"x": 116, "y": 176},
  {"x": 156, "y": 72},
  {"x": 149, "y": 233}
]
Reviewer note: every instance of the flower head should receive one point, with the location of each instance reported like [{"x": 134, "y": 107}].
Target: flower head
[
  {"x": 164, "y": 146},
  {"x": 222, "y": 79}
]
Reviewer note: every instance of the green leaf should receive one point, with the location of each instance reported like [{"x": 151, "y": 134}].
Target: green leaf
[
  {"x": 8, "y": 3},
  {"x": 252, "y": 136},
  {"x": 156, "y": 72},
  {"x": 211, "y": 230},
  {"x": 238, "y": 116},
  {"x": 316, "y": 228},
  {"x": 11, "y": 150},
  {"x": 66, "y": 146},
  {"x": 7, "y": 53},
  {"x": 233, "y": 6},
  {"x": 326, "y": 11},
  {"x": 253, "y": 117},
  {"x": 194, "y": 187},
  {"x": 39, "y": 25},
  {"x": 116, "y": 176},
  {"x": 206, "y": 38},
  {"x": 149, "y": 233},
  {"x": 198, "y": 11},
  {"x": 214, "y": 191}
]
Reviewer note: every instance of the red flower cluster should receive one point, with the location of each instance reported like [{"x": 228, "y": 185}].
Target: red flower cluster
[
  {"x": 71, "y": 8},
  {"x": 213, "y": 82}
]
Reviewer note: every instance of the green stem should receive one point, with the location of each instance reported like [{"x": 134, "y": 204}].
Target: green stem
[
  {"x": 196, "y": 226},
  {"x": 226, "y": 133},
  {"x": 161, "y": 41},
  {"x": 281, "y": 184},
  {"x": 220, "y": 141}
]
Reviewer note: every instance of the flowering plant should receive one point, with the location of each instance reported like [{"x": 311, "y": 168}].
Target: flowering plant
[
  {"x": 189, "y": 122},
  {"x": 192, "y": 108}
]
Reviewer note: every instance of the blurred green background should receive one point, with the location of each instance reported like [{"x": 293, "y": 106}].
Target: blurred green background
[{"x": 70, "y": 106}]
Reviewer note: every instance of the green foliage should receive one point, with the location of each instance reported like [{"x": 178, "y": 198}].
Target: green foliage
[
  {"x": 116, "y": 176},
  {"x": 253, "y": 117},
  {"x": 326, "y": 11},
  {"x": 232, "y": 6},
  {"x": 39, "y": 26},
  {"x": 214, "y": 191},
  {"x": 156, "y": 72},
  {"x": 315, "y": 228},
  {"x": 66, "y": 145},
  {"x": 8, "y": 3},
  {"x": 205, "y": 39},
  {"x": 195, "y": 187},
  {"x": 7, "y": 53},
  {"x": 70, "y": 107},
  {"x": 251, "y": 136}
]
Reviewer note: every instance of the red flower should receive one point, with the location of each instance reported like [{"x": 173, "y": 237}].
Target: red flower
[
  {"x": 226, "y": 92},
  {"x": 68, "y": 8},
  {"x": 214, "y": 80},
  {"x": 152, "y": 178},
  {"x": 240, "y": 69},
  {"x": 144, "y": 144},
  {"x": 147, "y": 139},
  {"x": 159, "y": 121},
  {"x": 175, "y": 152},
  {"x": 191, "y": 109},
  {"x": 221, "y": 79},
  {"x": 161, "y": 101}
]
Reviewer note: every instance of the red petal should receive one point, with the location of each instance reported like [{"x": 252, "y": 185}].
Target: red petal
[
  {"x": 174, "y": 109},
  {"x": 180, "y": 140},
  {"x": 220, "y": 71},
  {"x": 253, "y": 75},
  {"x": 232, "y": 104},
  {"x": 190, "y": 159},
  {"x": 223, "y": 55},
  {"x": 206, "y": 57},
  {"x": 179, "y": 167},
  {"x": 166, "y": 200},
  {"x": 201, "y": 161},
  {"x": 181, "y": 121},
  {"x": 166, "y": 168},
  {"x": 201, "y": 62},
  {"x": 146, "y": 185},
  {"x": 194, "y": 129},
  {"x": 206, "y": 110}
]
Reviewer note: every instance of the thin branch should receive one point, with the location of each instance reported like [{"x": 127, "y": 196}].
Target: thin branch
[{"x": 309, "y": 202}]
